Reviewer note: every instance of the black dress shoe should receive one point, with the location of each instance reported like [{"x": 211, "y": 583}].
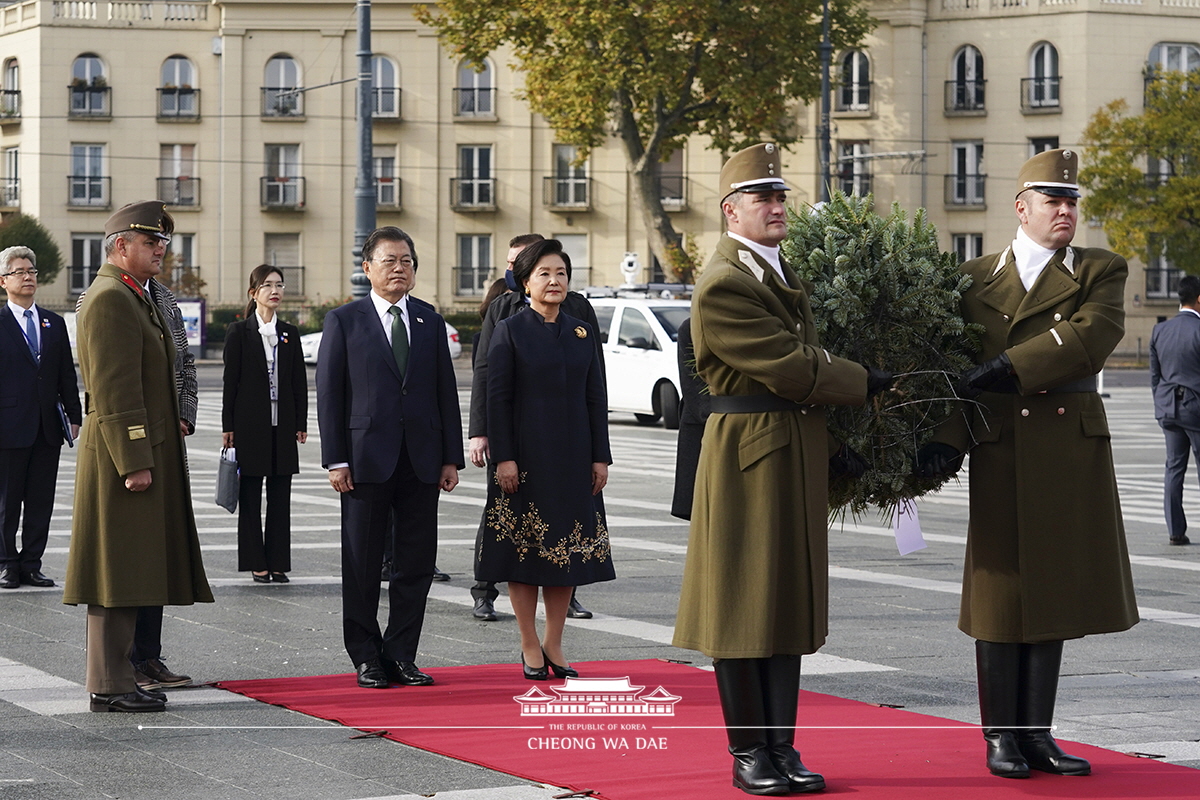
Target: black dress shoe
[
  {"x": 153, "y": 694},
  {"x": 576, "y": 611},
  {"x": 541, "y": 673},
  {"x": 156, "y": 671},
  {"x": 129, "y": 702},
  {"x": 438, "y": 575},
  {"x": 261, "y": 578},
  {"x": 558, "y": 670},
  {"x": 371, "y": 675},
  {"x": 485, "y": 610},
  {"x": 406, "y": 673},
  {"x": 9, "y": 578},
  {"x": 36, "y": 578},
  {"x": 279, "y": 577},
  {"x": 1180, "y": 540}
]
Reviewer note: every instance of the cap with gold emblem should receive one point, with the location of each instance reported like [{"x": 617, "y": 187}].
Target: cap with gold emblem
[
  {"x": 755, "y": 169},
  {"x": 1051, "y": 172},
  {"x": 148, "y": 216}
]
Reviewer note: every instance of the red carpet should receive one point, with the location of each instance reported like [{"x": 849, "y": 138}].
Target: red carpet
[{"x": 471, "y": 715}]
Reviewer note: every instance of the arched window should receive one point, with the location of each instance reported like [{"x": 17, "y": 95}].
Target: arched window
[
  {"x": 964, "y": 91},
  {"x": 1174, "y": 57},
  {"x": 281, "y": 79},
  {"x": 385, "y": 86},
  {"x": 178, "y": 95},
  {"x": 475, "y": 94},
  {"x": 10, "y": 98},
  {"x": 855, "y": 93},
  {"x": 1041, "y": 88},
  {"x": 89, "y": 88}
]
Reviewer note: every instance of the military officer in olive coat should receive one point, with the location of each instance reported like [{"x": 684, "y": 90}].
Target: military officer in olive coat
[
  {"x": 1046, "y": 558},
  {"x": 755, "y": 586},
  {"x": 133, "y": 539}
]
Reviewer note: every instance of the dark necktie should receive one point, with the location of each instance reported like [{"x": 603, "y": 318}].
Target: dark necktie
[
  {"x": 31, "y": 335},
  {"x": 399, "y": 340}
]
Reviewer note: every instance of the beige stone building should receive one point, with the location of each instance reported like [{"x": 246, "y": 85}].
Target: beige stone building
[{"x": 106, "y": 102}]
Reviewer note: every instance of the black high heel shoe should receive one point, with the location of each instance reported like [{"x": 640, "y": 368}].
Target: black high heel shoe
[
  {"x": 534, "y": 673},
  {"x": 559, "y": 671}
]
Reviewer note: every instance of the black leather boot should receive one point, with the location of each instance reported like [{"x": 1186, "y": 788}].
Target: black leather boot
[
  {"x": 781, "y": 682},
  {"x": 998, "y": 666},
  {"x": 1040, "y": 665},
  {"x": 739, "y": 684}
]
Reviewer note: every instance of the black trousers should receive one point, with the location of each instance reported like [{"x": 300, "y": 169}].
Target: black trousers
[
  {"x": 365, "y": 528},
  {"x": 28, "y": 476},
  {"x": 268, "y": 548}
]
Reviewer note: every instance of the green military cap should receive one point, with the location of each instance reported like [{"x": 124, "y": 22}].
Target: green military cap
[
  {"x": 755, "y": 169},
  {"x": 148, "y": 216},
  {"x": 1051, "y": 172}
]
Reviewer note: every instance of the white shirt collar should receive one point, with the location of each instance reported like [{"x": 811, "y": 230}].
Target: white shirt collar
[
  {"x": 19, "y": 312},
  {"x": 768, "y": 254},
  {"x": 382, "y": 306},
  {"x": 1189, "y": 310}
]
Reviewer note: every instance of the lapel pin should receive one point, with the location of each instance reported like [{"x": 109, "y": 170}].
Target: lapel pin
[
  {"x": 419, "y": 319},
  {"x": 581, "y": 332}
]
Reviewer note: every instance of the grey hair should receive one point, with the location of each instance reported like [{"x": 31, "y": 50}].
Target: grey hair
[
  {"x": 110, "y": 242},
  {"x": 17, "y": 251}
]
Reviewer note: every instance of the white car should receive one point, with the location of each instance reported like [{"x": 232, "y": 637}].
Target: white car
[
  {"x": 638, "y": 337},
  {"x": 310, "y": 343}
]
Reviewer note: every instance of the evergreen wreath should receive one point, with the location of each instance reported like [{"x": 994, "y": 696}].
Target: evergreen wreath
[{"x": 886, "y": 296}]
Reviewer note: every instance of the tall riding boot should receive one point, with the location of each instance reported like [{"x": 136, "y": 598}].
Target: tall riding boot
[
  {"x": 998, "y": 667},
  {"x": 739, "y": 685},
  {"x": 1035, "y": 711},
  {"x": 781, "y": 685}
]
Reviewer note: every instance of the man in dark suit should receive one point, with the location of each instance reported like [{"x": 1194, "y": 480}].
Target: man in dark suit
[
  {"x": 1175, "y": 380},
  {"x": 36, "y": 375},
  {"x": 391, "y": 437}
]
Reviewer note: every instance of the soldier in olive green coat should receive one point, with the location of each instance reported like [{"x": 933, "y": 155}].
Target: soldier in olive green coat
[
  {"x": 755, "y": 587},
  {"x": 133, "y": 539},
  {"x": 1046, "y": 557}
]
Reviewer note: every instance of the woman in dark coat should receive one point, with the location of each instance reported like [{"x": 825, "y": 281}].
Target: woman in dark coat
[
  {"x": 547, "y": 418},
  {"x": 264, "y": 414}
]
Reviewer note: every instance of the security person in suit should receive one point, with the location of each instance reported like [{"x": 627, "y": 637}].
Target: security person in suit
[
  {"x": 133, "y": 538},
  {"x": 755, "y": 584},
  {"x": 1046, "y": 558},
  {"x": 37, "y": 375},
  {"x": 391, "y": 438},
  {"x": 1175, "y": 381}
]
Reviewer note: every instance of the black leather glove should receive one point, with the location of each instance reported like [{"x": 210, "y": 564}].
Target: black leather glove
[
  {"x": 971, "y": 384},
  {"x": 847, "y": 462},
  {"x": 937, "y": 460},
  {"x": 878, "y": 380}
]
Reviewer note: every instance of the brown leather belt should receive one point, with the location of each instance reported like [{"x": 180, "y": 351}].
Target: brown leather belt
[{"x": 752, "y": 404}]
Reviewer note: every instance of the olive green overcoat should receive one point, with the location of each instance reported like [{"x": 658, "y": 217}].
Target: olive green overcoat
[
  {"x": 130, "y": 548},
  {"x": 756, "y": 581},
  {"x": 1046, "y": 557}
]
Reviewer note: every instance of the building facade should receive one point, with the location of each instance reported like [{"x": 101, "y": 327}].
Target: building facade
[{"x": 240, "y": 115}]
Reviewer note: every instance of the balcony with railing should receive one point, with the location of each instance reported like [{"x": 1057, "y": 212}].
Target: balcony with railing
[
  {"x": 10, "y": 106},
  {"x": 477, "y": 103},
  {"x": 387, "y": 194},
  {"x": 282, "y": 103},
  {"x": 279, "y": 192},
  {"x": 184, "y": 282},
  {"x": 850, "y": 99},
  {"x": 673, "y": 191},
  {"x": 293, "y": 278},
  {"x": 93, "y": 191},
  {"x": 178, "y": 103},
  {"x": 385, "y": 103},
  {"x": 10, "y": 193},
  {"x": 89, "y": 102},
  {"x": 567, "y": 194},
  {"x": 965, "y": 191},
  {"x": 965, "y": 98},
  {"x": 471, "y": 281},
  {"x": 473, "y": 194},
  {"x": 1041, "y": 95},
  {"x": 181, "y": 191},
  {"x": 850, "y": 183},
  {"x": 79, "y": 277}
]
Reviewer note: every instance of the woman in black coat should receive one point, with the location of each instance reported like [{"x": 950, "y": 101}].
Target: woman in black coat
[{"x": 264, "y": 413}]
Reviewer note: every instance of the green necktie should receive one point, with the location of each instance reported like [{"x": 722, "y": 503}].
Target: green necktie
[{"x": 399, "y": 340}]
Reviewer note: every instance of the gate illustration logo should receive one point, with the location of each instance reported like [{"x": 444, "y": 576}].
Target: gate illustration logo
[{"x": 608, "y": 697}]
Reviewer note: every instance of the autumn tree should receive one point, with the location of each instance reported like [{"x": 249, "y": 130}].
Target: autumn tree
[
  {"x": 21, "y": 229},
  {"x": 653, "y": 73},
  {"x": 1143, "y": 171}
]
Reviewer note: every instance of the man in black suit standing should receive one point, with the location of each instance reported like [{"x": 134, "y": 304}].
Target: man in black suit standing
[
  {"x": 1175, "y": 380},
  {"x": 36, "y": 375},
  {"x": 391, "y": 438}
]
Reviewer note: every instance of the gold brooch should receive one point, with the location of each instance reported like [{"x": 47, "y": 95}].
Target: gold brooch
[{"x": 581, "y": 332}]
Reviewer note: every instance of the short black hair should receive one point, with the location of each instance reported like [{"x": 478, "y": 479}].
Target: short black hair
[
  {"x": 525, "y": 239},
  {"x": 1189, "y": 290},
  {"x": 528, "y": 258},
  {"x": 388, "y": 233}
]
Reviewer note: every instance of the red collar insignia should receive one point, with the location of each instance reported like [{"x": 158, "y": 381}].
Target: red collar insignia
[{"x": 128, "y": 280}]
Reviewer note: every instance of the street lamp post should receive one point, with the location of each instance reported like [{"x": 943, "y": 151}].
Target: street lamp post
[{"x": 364, "y": 181}]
